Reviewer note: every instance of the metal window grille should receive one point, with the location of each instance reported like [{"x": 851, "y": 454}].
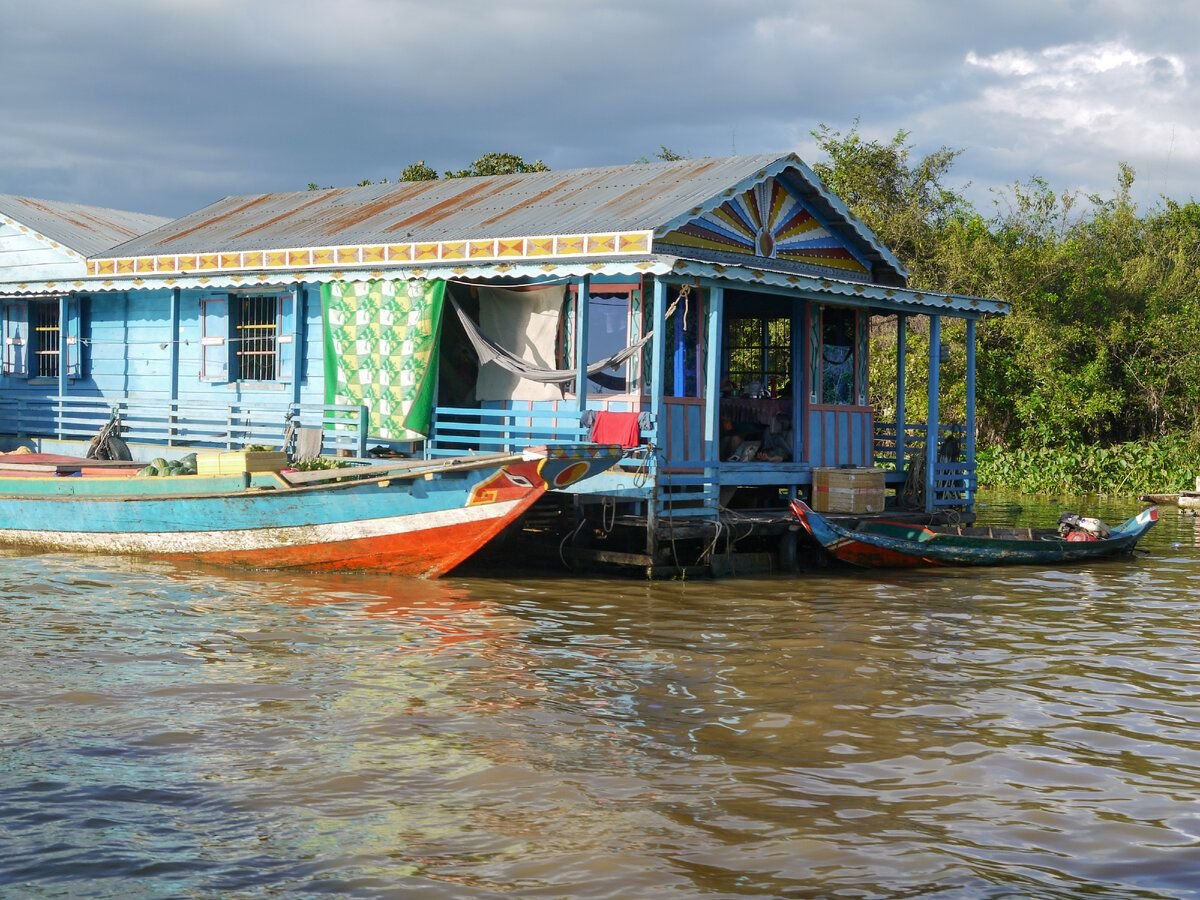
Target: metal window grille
[
  {"x": 257, "y": 336},
  {"x": 47, "y": 328},
  {"x": 759, "y": 352}
]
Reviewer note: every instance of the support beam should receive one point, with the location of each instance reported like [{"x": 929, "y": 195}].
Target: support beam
[
  {"x": 173, "y": 364},
  {"x": 901, "y": 388},
  {"x": 712, "y": 375},
  {"x": 64, "y": 311},
  {"x": 658, "y": 357},
  {"x": 679, "y": 353},
  {"x": 297, "y": 336},
  {"x": 799, "y": 383},
  {"x": 583, "y": 289},
  {"x": 931, "y": 426},
  {"x": 970, "y": 436},
  {"x": 173, "y": 352}
]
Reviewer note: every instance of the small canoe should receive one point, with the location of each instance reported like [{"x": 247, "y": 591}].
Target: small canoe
[{"x": 881, "y": 544}]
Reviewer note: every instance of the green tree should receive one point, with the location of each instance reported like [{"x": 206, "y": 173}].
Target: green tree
[
  {"x": 418, "y": 171},
  {"x": 663, "y": 154},
  {"x": 499, "y": 164},
  {"x": 899, "y": 196},
  {"x": 903, "y": 198},
  {"x": 488, "y": 164},
  {"x": 1105, "y": 299}
]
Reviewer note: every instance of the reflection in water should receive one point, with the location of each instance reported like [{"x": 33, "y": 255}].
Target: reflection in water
[{"x": 955, "y": 733}]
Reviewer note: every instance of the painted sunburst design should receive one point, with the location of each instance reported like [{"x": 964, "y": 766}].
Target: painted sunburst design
[{"x": 767, "y": 221}]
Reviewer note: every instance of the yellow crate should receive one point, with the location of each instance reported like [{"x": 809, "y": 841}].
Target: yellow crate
[
  {"x": 234, "y": 462},
  {"x": 848, "y": 490}
]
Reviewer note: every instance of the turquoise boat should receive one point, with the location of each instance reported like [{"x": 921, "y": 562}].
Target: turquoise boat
[{"x": 407, "y": 517}]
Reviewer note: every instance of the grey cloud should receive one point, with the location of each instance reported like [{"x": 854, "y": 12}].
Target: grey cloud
[{"x": 166, "y": 107}]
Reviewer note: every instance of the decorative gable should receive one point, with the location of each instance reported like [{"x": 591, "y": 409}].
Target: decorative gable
[{"x": 767, "y": 220}]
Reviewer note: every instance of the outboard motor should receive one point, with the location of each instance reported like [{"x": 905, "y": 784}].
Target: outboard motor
[{"x": 1074, "y": 527}]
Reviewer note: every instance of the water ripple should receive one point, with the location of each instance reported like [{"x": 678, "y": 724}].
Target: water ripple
[{"x": 948, "y": 734}]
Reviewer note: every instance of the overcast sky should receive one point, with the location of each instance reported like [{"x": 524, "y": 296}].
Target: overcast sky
[{"x": 163, "y": 107}]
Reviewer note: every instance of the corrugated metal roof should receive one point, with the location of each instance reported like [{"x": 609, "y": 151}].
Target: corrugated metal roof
[
  {"x": 631, "y": 197},
  {"x": 88, "y": 230}
]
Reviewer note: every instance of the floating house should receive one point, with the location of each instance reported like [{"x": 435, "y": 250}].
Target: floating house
[{"x": 712, "y": 314}]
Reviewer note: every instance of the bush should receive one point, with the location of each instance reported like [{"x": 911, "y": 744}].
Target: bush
[{"x": 1165, "y": 465}]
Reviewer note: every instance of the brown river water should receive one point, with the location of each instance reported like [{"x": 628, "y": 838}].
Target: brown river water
[{"x": 1021, "y": 732}]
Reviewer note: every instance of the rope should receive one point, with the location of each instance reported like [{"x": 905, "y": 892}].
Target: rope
[
  {"x": 606, "y": 525},
  {"x": 569, "y": 537}
]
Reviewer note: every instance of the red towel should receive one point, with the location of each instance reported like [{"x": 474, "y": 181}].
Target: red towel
[{"x": 616, "y": 428}]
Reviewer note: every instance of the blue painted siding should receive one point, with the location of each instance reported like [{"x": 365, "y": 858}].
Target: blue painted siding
[
  {"x": 840, "y": 437},
  {"x": 126, "y": 338}
]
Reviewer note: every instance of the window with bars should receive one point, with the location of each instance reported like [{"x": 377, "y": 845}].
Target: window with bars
[
  {"x": 246, "y": 337},
  {"x": 256, "y": 338},
  {"x": 47, "y": 331},
  {"x": 759, "y": 352},
  {"x": 33, "y": 338}
]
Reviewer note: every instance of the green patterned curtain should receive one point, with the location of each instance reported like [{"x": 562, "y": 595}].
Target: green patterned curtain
[{"x": 381, "y": 350}]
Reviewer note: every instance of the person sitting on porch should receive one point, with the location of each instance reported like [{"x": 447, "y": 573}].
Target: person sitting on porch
[
  {"x": 733, "y": 435},
  {"x": 777, "y": 440}
]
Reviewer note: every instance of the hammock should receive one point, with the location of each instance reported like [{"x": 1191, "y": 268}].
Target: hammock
[{"x": 488, "y": 351}]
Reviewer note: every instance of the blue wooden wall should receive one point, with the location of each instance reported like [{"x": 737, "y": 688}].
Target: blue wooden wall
[{"x": 126, "y": 353}]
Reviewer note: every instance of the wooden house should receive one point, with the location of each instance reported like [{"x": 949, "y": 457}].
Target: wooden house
[{"x": 361, "y": 312}]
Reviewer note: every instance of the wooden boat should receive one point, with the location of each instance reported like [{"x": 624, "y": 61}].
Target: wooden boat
[
  {"x": 888, "y": 544},
  {"x": 409, "y": 517}
]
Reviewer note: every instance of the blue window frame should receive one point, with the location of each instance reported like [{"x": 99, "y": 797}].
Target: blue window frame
[
  {"x": 246, "y": 338},
  {"x": 33, "y": 338}
]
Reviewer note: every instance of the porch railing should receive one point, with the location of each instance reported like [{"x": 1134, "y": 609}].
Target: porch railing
[
  {"x": 461, "y": 430},
  {"x": 954, "y": 478},
  {"x": 184, "y": 423}
]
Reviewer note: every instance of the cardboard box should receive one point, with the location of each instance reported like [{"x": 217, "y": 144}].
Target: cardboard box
[
  {"x": 848, "y": 490},
  {"x": 235, "y": 462}
]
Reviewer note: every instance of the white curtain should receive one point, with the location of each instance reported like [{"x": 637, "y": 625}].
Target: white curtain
[{"x": 524, "y": 322}]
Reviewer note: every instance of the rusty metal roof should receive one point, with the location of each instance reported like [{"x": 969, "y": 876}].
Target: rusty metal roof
[
  {"x": 631, "y": 197},
  {"x": 85, "y": 229}
]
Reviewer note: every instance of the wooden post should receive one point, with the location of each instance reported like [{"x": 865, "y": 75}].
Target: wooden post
[
  {"x": 931, "y": 427},
  {"x": 901, "y": 378},
  {"x": 712, "y": 376},
  {"x": 679, "y": 352},
  {"x": 297, "y": 293},
  {"x": 798, "y": 362},
  {"x": 799, "y": 381},
  {"x": 972, "y": 481},
  {"x": 788, "y": 544},
  {"x": 712, "y": 398},
  {"x": 63, "y": 357},
  {"x": 173, "y": 363},
  {"x": 583, "y": 288},
  {"x": 658, "y": 357}
]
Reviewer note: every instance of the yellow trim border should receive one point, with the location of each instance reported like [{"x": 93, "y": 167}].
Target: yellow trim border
[{"x": 620, "y": 243}]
